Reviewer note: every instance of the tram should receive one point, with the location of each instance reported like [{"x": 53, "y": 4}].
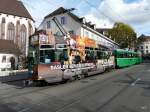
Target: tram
[
  {"x": 56, "y": 59},
  {"x": 124, "y": 58}
]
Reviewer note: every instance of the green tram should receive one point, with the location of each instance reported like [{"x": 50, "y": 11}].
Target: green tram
[{"x": 124, "y": 58}]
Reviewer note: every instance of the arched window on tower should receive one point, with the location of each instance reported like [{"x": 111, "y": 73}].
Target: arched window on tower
[
  {"x": 23, "y": 36},
  {"x": 3, "y": 28},
  {"x": 11, "y": 31},
  {"x": 17, "y": 32},
  {"x": 30, "y": 29}
]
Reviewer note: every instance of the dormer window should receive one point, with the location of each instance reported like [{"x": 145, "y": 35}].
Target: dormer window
[
  {"x": 94, "y": 26},
  {"x": 48, "y": 24},
  {"x": 71, "y": 32},
  {"x": 84, "y": 20},
  {"x": 63, "y": 20},
  {"x": 87, "y": 34}
]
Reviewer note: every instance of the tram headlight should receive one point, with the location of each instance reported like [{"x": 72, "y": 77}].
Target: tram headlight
[
  {"x": 31, "y": 71},
  {"x": 40, "y": 77}
]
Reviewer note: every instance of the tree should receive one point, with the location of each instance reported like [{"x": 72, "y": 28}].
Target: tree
[{"x": 124, "y": 35}]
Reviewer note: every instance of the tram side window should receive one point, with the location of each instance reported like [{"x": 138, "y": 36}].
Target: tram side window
[
  {"x": 136, "y": 55},
  {"x": 62, "y": 56},
  {"x": 87, "y": 52},
  {"x": 99, "y": 54},
  {"x": 106, "y": 55},
  {"x": 125, "y": 55},
  {"x": 129, "y": 55},
  {"x": 90, "y": 55},
  {"x": 121, "y": 55},
  {"x": 132, "y": 55}
]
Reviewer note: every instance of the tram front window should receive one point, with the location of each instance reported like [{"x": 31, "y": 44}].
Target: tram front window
[{"x": 47, "y": 56}]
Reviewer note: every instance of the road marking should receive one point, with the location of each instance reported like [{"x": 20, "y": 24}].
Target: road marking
[
  {"x": 144, "y": 107},
  {"x": 148, "y": 70},
  {"x": 133, "y": 84},
  {"x": 24, "y": 110}
]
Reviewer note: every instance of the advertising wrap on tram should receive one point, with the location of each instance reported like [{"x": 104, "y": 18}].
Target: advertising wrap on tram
[{"x": 56, "y": 59}]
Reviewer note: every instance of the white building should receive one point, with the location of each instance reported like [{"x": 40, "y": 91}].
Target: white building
[
  {"x": 144, "y": 44},
  {"x": 16, "y": 23},
  {"x": 75, "y": 26},
  {"x": 8, "y": 56}
]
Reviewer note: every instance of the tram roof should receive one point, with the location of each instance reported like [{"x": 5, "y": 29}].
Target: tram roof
[{"x": 125, "y": 51}]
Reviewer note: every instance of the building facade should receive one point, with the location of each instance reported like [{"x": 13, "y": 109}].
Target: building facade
[
  {"x": 9, "y": 53},
  {"x": 16, "y": 23},
  {"x": 75, "y": 26},
  {"x": 104, "y": 31},
  {"x": 144, "y": 44}
]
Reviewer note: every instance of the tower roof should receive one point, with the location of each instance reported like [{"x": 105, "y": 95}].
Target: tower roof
[{"x": 14, "y": 7}]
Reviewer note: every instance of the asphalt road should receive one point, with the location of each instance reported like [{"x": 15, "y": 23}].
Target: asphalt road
[{"x": 122, "y": 90}]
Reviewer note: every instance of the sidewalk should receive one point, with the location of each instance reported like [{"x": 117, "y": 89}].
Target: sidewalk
[
  {"x": 146, "y": 61},
  {"x": 16, "y": 75}
]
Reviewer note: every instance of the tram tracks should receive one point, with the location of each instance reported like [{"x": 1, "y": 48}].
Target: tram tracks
[
  {"x": 28, "y": 90},
  {"x": 90, "y": 93}
]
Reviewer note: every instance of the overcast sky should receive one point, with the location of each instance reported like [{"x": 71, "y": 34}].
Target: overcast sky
[{"x": 103, "y": 13}]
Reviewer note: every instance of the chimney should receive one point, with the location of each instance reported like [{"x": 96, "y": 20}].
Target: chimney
[{"x": 83, "y": 20}]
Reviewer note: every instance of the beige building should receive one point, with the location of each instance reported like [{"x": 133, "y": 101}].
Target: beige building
[{"x": 144, "y": 44}]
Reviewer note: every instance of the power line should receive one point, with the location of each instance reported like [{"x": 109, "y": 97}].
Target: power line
[
  {"x": 25, "y": 2},
  {"x": 91, "y": 5},
  {"x": 122, "y": 18},
  {"x": 98, "y": 10}
]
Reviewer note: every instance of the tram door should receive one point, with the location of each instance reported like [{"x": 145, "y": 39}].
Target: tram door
[{"x": 100, "y": 60}]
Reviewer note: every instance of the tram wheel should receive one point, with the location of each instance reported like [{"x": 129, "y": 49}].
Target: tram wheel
[
  {"x": 40, "y": 83},
  {"x": 64, "y": 81},
  {"x": 72, "y": 78}
]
